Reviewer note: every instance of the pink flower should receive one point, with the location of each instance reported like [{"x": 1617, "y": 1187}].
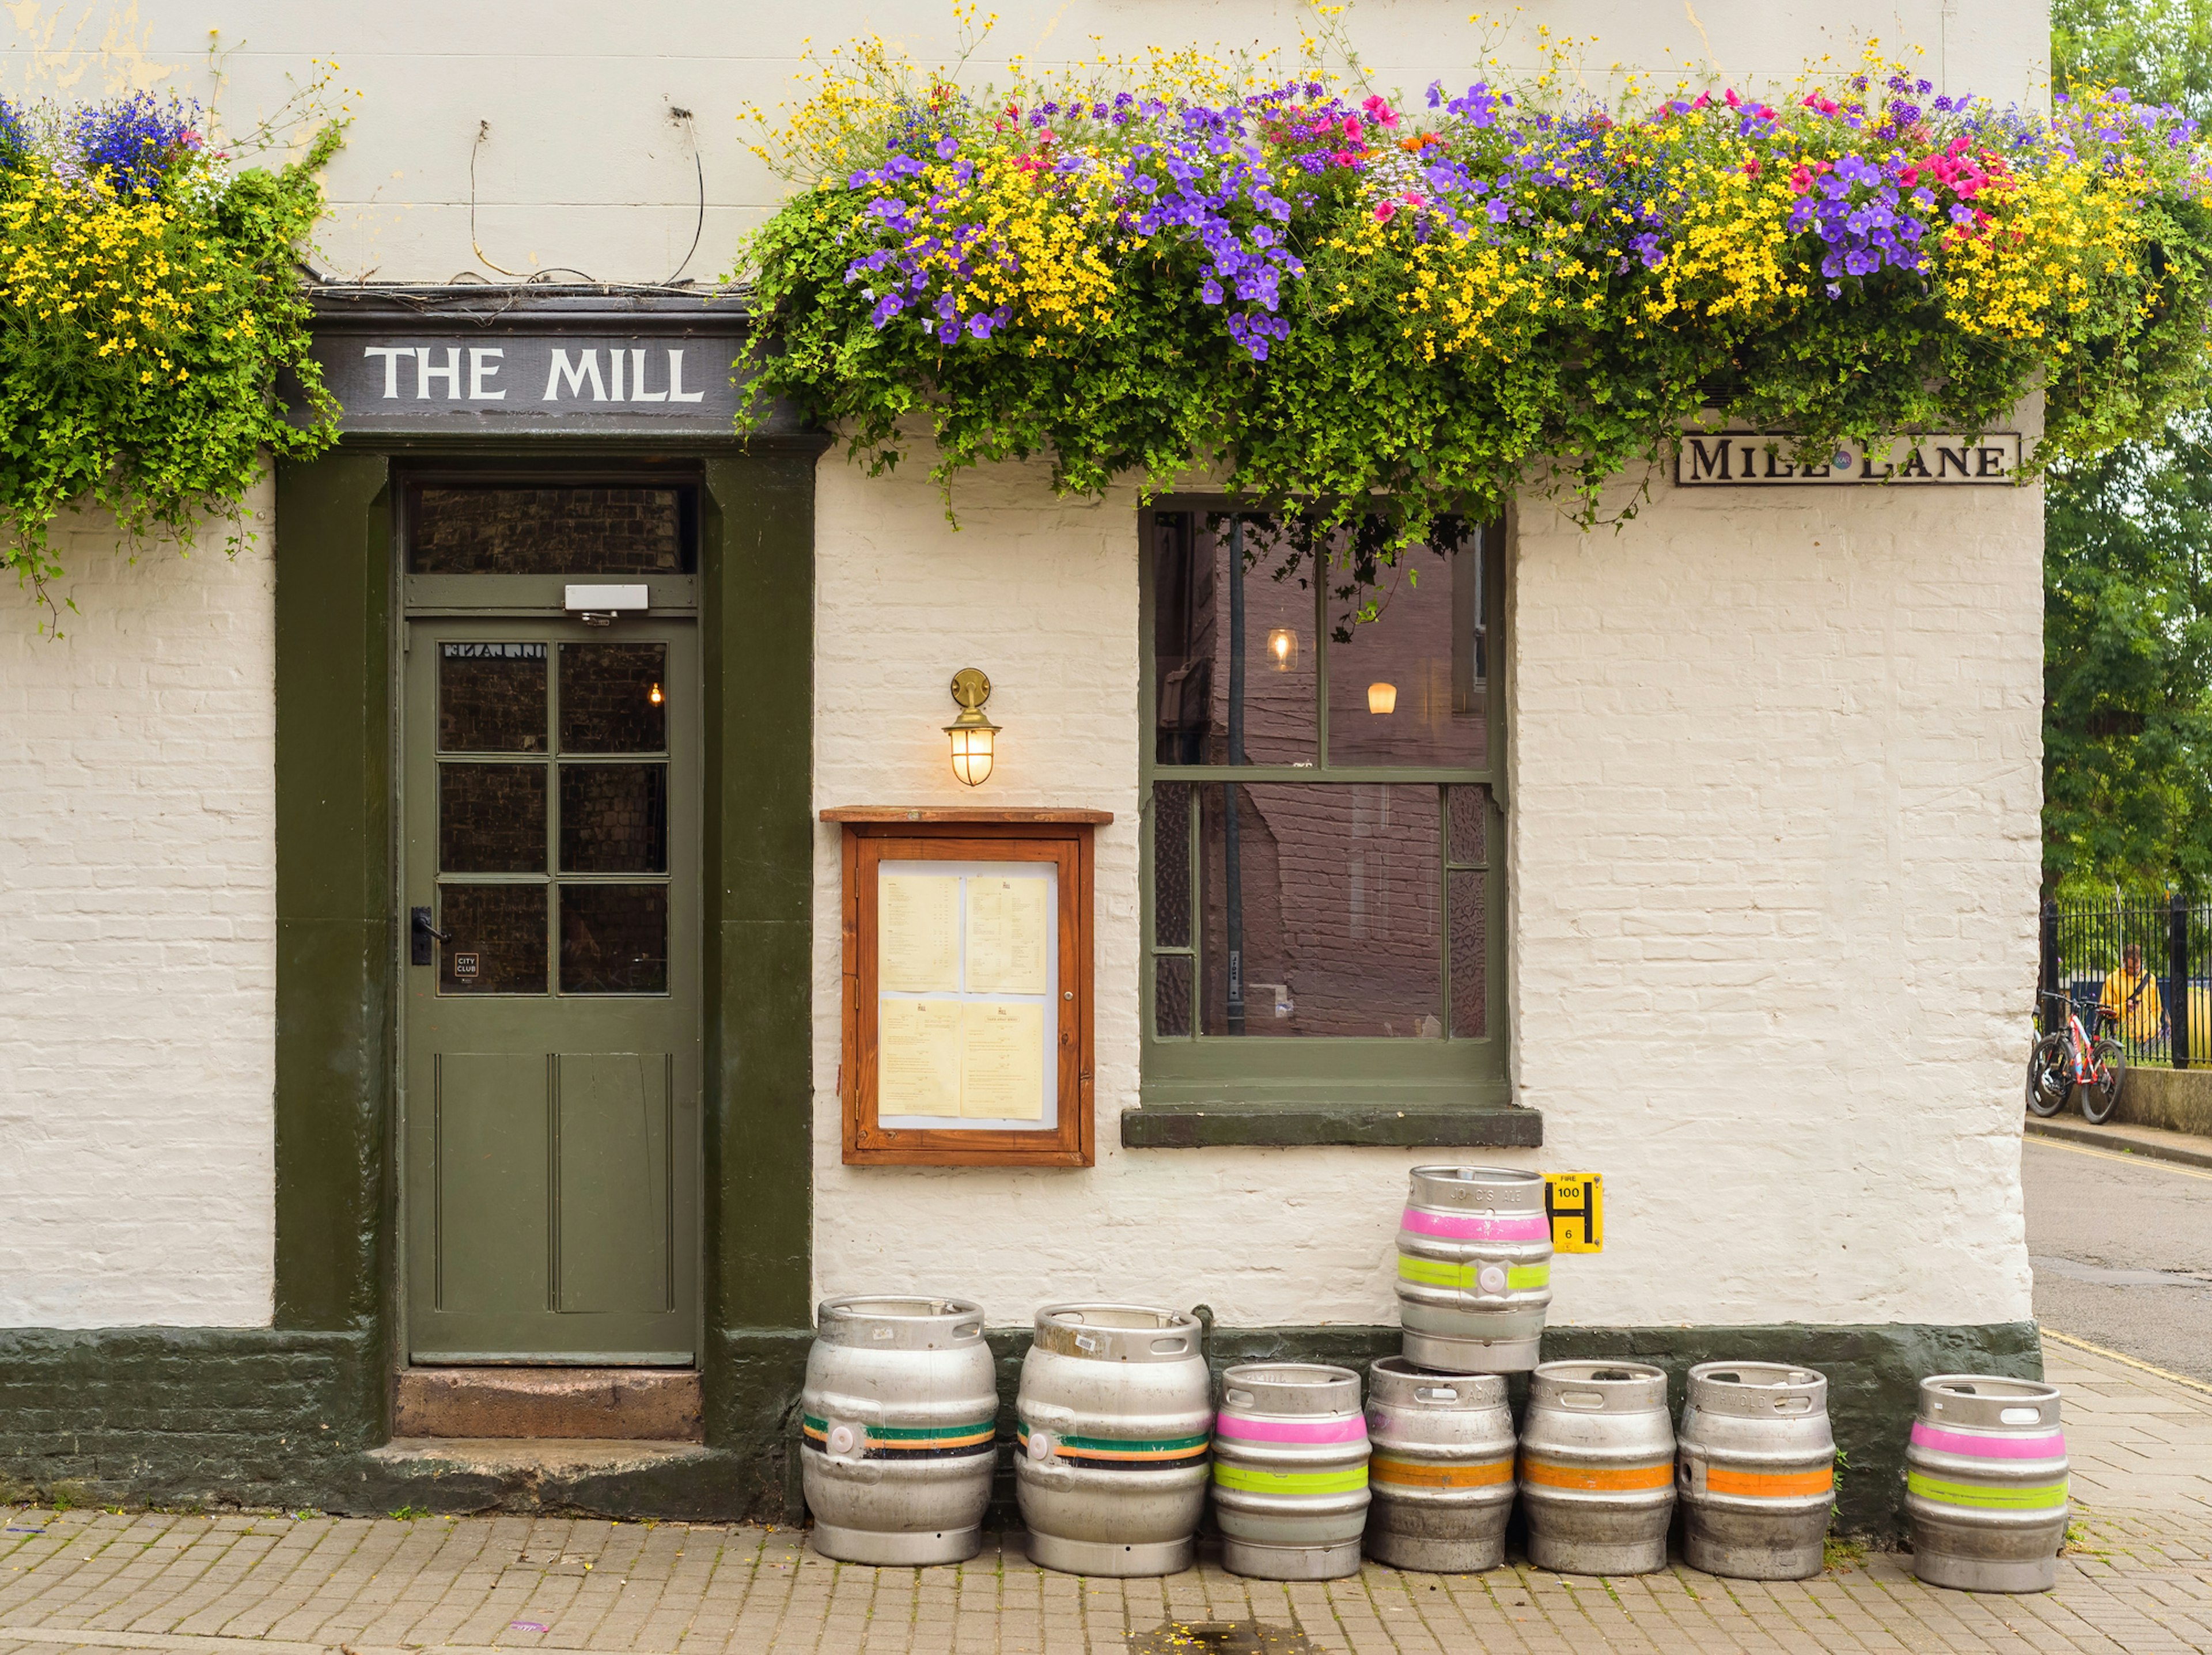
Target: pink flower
[
  {"x": 1384, "y": 212},
  {"x": 1730, "y": 98},
  {"x": 1351, "y": 126},
  {"x": 1703, "y": 100},
  {"x": 1379, "y": 107}
]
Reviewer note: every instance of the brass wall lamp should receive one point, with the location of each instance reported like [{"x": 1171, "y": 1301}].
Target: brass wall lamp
[{"x": 972, "y": 733}]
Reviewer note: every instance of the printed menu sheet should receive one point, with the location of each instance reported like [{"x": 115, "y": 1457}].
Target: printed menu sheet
[
  {"x": 980, "y": 946},
  {"x": 1008, "y": 923},
  {"x": 918, "y": 934},
  {"x": 1002, "y": 1061}
]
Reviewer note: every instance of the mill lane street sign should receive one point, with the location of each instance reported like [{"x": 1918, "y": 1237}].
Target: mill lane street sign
[{"x": 1746, "y": 459}]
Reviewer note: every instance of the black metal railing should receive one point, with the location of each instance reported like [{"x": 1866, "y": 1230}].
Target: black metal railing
[{"x": 2140, "y": 971}]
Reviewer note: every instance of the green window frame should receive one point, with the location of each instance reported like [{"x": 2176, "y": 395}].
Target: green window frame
[{"x": 1200, "y": 1089}]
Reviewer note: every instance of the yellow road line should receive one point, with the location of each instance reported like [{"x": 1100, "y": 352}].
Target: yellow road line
[
  {"x": 2122, "y": 1356},
  {"x": 2115, "y": 1155}
]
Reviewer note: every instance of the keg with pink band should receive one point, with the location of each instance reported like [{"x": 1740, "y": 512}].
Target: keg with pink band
[
  {"x": 1315, "y": 1430},
  {"x": 1455, "y": 1226},
  {"x": 2046, "y": 1445}
]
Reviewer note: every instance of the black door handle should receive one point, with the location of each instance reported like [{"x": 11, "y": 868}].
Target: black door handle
[{"x": 419, "y": 948}]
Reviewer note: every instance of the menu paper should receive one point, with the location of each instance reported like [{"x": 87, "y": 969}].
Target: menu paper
[
  {"x": 918, "y": 944},
  {"x": 918, "y": 1057},
  {"x": 1008, "y": 928},
  {"x": 1002, "y": 1061}
]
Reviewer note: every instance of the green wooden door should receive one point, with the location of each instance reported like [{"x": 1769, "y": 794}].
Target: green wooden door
[{"x": 550, "y": 796}]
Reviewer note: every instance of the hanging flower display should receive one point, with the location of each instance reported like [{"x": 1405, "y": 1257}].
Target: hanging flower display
[
  {"x": 1326, "y": 298},
  {"x": 151, "y": 296}
]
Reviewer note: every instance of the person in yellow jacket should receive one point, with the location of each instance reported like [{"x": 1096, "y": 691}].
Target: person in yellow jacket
[{"x": 2131, "y": 996}]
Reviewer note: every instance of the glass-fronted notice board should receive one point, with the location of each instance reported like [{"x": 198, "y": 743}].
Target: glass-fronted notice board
[{"x": 967, "y": 1014}]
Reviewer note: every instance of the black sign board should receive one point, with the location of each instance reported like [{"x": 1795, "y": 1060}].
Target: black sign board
[{"x": 462, "y": 362}]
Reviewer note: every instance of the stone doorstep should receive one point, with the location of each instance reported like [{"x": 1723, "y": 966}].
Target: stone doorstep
[
  {"x": 506, "y": 1457},
  {"x": 618, "y": 1404}
]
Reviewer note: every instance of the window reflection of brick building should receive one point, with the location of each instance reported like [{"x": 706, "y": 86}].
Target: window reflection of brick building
[{"x": 1339, "y": 926}]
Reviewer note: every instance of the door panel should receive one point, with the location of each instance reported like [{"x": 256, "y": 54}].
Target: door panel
[
  {"x": 491, "y": 1181},
  {"x": 551, "y": 804},
  {"x": 613, "y": 1124}
]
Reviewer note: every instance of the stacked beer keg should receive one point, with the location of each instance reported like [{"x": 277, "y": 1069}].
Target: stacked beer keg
[
  {"x": 1598, "y": 1472},
  {"x": 1118, "y": 1440}
]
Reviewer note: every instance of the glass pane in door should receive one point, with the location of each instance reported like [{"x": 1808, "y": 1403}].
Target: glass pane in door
[
  {"x": 614, "y": 819},
  {"x": 491, "y": 818},
  {"x": 614, "y": 938},
  {"x": 491, "y": 697},
  {"x": 498, "y": 940},
  {"x": 613, "y": 699}
]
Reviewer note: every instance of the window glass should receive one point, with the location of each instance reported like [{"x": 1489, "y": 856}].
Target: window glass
[
  {"x": 1406, "y": 688},
  {"x": 477, "y": 529},
  {"x": 1323, "y": 910},
  {"x": 1337, "y": 907},
  {"x": 1197, "y": 628}
]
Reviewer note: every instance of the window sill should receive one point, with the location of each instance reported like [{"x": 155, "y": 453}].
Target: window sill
[{"x": 1218, "y": 1125}]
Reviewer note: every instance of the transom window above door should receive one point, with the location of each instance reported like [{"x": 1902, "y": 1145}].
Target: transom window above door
[
  {"x": 523, "y": 528},
  {"x": 552, "y": 816}
]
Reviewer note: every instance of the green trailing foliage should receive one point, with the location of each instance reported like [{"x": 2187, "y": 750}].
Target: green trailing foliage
[{"x": 150, "y": 299}]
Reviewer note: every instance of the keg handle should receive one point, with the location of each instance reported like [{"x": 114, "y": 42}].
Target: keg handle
[
  {"x": 1591, "y": 1400},
  {"x": 968, "y": 1330},
  {"x": 2019, "y": 1416},
  {"x": 1793, "y": 1404},
  {"x": 1436, "y": 1394}
]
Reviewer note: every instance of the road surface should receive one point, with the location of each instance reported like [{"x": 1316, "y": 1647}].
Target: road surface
[{"x": 2122, "y": 1247}]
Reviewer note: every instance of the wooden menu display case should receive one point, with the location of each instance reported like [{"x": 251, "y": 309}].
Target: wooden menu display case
[{"x": 966, "y": 986}]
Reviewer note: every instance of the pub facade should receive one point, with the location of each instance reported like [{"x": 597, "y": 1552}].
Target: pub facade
[{"x": 449, "y": 941}]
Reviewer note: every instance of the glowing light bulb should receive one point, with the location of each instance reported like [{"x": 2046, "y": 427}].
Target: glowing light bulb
[
  {"x": 654, "y": 695},
  {"x": 1282, "y": 649},
  {"x": 1382, "y": 697}
]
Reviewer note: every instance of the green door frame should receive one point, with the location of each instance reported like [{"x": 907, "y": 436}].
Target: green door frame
[{"x": 339, "y": 934}]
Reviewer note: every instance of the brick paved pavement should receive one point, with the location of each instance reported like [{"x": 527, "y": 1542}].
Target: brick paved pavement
[{"x": 2139, "y": 1579}]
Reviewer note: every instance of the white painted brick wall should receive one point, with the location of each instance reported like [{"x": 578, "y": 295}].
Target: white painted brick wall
[
  {"x": 137, "y": 921},
  {"x": 1774, "y": 788}
]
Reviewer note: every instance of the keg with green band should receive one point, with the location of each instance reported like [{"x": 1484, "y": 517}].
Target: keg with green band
[
  {"x": 1985, "y": 1483},
  {"x": 1475, "y": 1269},
  {"x": 1113, "y": 1421},
  {"x": 1289, "y": 1471},
  {"x": 896, "y": 1424}
]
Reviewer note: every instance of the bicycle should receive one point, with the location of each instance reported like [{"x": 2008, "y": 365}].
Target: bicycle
[{"x": 2068, "y": 1057}]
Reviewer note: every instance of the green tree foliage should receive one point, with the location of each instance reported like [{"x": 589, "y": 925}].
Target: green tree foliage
[
  {"x": 2127, "y": 720},
  {"x": 2127, "y": 723}
]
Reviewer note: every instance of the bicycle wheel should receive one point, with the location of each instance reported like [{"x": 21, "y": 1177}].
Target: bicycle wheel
[
  {"x": 2108, "y": 1063},
  {"x": 2050, "y": 1075}
]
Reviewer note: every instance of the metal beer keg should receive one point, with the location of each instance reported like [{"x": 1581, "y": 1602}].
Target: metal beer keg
[
  {"x": 1441, "y": 1468},
  {"x": 897, "y": 1417},
  {"x": 1475, "y": 1269},
  {"x": 1289, "y": 1471},
  {"x": 1597, "y": 1468},
  {"x": 1113, "y": 1420},
  {"x": 1755, "y": 1469},
  {"x": 1985, "y": 1484}
]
